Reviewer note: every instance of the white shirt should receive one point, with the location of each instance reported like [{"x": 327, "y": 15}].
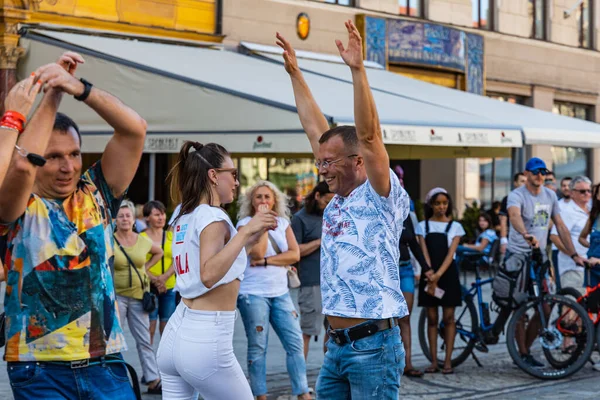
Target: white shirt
[
  {"x": 186, "y": 251},
  {"x": 270, "y": 281},
  {"x": 360, "y": 252},
  {"x": 456, "y": 230},
  {"x": 575, "y": 219}
]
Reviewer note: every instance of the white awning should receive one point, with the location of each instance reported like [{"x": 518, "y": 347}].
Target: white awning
[
  {"x": 242, "y": 102},
  {"x": 539, "y": 127}
]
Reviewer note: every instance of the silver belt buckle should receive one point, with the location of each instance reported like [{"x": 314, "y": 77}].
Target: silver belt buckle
[{"x": 80, "y": 364}]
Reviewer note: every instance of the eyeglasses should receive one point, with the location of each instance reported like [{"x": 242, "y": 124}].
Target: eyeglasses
[
  {"x": 233, "y": 171},
  {"x": 583, "y": 191},
  {"x": 327, "y": 164},
  {"x": 538, "y": 171}
]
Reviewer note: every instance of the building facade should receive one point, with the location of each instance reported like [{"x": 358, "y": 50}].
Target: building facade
[{"x": 539, "y": 53}]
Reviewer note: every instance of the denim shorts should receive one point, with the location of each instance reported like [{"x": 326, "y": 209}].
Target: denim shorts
[
  {"x": 407, "y": 277},
  {"x": 166, "y": 306}
]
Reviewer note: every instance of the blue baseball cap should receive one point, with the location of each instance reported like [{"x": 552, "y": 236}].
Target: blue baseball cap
[{"x": 536, "y": 164}]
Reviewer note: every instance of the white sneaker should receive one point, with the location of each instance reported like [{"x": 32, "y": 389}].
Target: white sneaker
[{"x": 597, "y": 366}]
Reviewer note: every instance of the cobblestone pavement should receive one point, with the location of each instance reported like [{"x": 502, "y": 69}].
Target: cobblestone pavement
[{"x": 499, "y": 378}]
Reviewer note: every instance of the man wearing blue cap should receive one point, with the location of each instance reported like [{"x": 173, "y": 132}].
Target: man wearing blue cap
[{"x": 530, "y": 209}]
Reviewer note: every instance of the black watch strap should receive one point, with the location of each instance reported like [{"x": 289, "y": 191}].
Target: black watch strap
[{"x": 87, "y": 88}]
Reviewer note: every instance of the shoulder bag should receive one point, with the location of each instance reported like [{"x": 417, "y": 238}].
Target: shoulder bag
[
  {"x": 149, "y": 298},
  {"x": 292, "y": 273}
]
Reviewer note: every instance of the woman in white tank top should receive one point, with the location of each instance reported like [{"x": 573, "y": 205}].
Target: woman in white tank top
[
  {"x": 195, "y": 356},
  {"x": 264, "y": 298}
]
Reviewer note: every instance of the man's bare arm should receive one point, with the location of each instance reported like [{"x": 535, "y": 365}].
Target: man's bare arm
[
  {"x": 124, "y": 150},
  {"x": 18, "y": 184},
  {"x": 368, "y": 129},
  {"x": 20, "y": 99},
  {"x": 312, "y": 119}
]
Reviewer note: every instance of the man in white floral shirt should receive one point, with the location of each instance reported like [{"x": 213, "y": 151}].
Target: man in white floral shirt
[{"x": 360, "y": 281}]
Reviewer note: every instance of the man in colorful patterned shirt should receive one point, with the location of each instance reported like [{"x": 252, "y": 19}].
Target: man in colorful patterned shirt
[
  {"x": 63, "y": 338},
  {"x": 360, "y": 281}
]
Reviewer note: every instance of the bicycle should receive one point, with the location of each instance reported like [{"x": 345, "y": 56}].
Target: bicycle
[
  {"x": 547, "y": 309},
  {"x": 590, "y": 301}
]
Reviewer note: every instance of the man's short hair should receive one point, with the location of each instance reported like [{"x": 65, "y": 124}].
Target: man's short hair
[
  {"x": 577, "y": 179},
  {"x": 345, "y": 132},
  {"x": 517, "y": 176},
  {"x": 62, "y": 123},
  {"x": 566, "y": 178}
]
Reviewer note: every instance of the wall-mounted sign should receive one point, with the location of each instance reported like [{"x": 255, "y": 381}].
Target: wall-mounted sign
[
  {"x": 303, "y": 26},
  {"x": 421, "y": 43},
  {"x": 430, "y": 45}
]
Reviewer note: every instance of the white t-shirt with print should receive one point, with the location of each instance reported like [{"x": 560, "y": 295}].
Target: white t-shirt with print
[
  {"x": 186, "y": 251},
  {"x": 360, "y": 252},
  {"x": 270, "y": 281},
  {"x": 456, "y": 230}
]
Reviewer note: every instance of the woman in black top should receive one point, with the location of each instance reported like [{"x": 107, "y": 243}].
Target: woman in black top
[{"x": 408, "y": 243}]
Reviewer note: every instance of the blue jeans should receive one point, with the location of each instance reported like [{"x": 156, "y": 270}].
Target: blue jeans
[
  {"x": 166, "y": 306},
  {"x": 257, "y": 313},
  {"x": 369, "y": 368},
  {"x": 42, "y": 380}
]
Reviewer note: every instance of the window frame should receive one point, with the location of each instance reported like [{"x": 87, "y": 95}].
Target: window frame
[
  {"x": 491, "y": 26},
  {"x": 544, "y": 20},
  {"x": 351, "y": 3},
  {"x": 580, "y": 25},
  {"x": 421, "y": 4}
]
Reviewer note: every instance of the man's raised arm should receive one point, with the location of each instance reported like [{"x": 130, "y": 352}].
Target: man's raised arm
[
  {"x": 366, "y": 119},
  {"x": 18, "y": 184},
  {"x": 124, "y": 150},
  {"x": 312, "y": 119},
  {"x": 19, "y": 100}
]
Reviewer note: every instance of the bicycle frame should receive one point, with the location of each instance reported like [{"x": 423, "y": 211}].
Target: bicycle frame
[{"x": 476, "y": 290}]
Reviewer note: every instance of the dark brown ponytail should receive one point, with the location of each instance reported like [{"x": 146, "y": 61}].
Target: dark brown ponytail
[{"x": 190, "y": 183}]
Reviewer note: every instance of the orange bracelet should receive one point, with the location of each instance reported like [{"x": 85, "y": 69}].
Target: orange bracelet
[{"x": 14, "y": 120}]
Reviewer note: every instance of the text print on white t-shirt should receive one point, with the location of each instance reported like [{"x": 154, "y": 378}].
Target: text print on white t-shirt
[
  {"x": 180, "y": 233},
  {"x": 179, "y": 238}
]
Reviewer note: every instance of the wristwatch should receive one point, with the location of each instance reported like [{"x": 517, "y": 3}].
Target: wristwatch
[
  {"x": 574, "y": 255},
  {"x": 87, "y": 88},
  {"x": 265, "y": 261}
]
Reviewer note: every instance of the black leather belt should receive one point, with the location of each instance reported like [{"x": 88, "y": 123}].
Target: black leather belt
[{"x": 340, "y": 336}]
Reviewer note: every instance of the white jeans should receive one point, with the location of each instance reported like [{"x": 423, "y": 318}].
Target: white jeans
[{"x": 195, "y": 356}]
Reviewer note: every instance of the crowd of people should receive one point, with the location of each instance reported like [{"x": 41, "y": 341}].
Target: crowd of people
[{"x": 80, "y": 260}]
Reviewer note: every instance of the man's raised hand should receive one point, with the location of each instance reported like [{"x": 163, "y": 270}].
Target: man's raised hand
[
  {"x": 22, "y": 95},
  {"x": 289, "y": 54},
  {"x": 69, "y": 61},
  {"x": 353, "y": 53},
  {"x": 54, "y": 76}
]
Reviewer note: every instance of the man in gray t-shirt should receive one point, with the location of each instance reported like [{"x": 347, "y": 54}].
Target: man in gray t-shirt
[
  {"x": 535, "y": 210},
  {"x": 530, "y": 209}
]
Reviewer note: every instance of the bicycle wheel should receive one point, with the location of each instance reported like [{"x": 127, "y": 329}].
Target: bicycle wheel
[
  {"x": 570, "y": 349},
  {"x": 466, "y": 332},
  {"x": 565, "y": 319}
]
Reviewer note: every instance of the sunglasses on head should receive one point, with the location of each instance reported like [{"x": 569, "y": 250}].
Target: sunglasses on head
[{"x": 538, "y": 171}]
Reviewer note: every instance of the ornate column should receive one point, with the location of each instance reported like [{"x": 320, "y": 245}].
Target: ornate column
[{"x": 10, "y": 52}]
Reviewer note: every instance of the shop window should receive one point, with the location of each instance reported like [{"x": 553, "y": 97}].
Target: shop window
[
  {"x": 348, "y": 3},
  {"x": 537, "y": 16},
  {"x": 251, "y": 170},
  {"x": 495, "y": 180},
  {"x": 585, "y": 24},
  {"x": 483, "y": 14},
  {"x": 571, "y": 161},
  {"x": 295, "y": 177},
  {"x": 411, "y": 8},
  {"x": 509, "y": 98}
]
